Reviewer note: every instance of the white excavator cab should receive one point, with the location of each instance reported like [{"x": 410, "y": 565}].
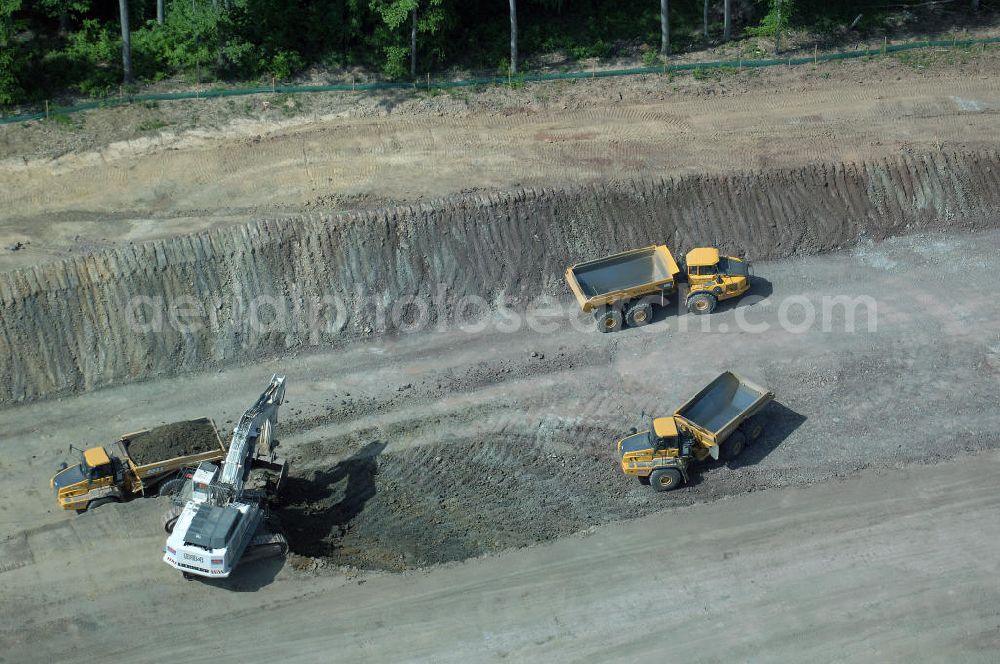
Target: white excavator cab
[{"x": 201, "y": 481}]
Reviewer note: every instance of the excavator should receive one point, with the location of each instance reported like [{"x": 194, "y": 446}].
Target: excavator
[{"x": 225, "y": 519}]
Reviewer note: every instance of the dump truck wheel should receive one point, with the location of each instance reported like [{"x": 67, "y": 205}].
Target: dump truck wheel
[
  {"x": 732, "y": 446},
  {"x": 665, "y": 479},
  {"x": 171, "y": 487},
  {"x": 701, "y": 303},
  {"x": 639, "y": 314},
  {"x": 609, "y": 321}
]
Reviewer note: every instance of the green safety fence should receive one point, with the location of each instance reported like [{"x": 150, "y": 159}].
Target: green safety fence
[{"x": 499, "y": 80}]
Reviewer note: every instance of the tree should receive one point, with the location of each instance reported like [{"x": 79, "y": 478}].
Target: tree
[
  {"x": 10, "y": 88},
  {"x": 706, "y": 18},
  {"x": 159, "y": 11},
  {"x": 727, "y": 20},
  {"x": 664, "y": 27},
  {"x": 513, "y": 36},
  {"x": 413, "y": 43},
  {"x": 126, "y": 42},
  {"x": 776, "y": 21}
]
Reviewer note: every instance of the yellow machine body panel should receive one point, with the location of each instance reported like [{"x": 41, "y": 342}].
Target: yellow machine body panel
[
  {"x": 724, "y": 277},
  {"x": 702, "y": 256},
  {"x": 665, "y": 427},
  {"x": 96, "y": 456},
  {"x": 75, "y": 486}
]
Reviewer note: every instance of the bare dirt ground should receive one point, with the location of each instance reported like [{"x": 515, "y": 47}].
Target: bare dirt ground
[
  {"x": 454, "y": 495},
  {"x": 442, "y": 447},
  {"x": 69, "y": 189}
]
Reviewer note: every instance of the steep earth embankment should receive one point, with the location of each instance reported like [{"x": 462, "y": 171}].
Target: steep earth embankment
[{"x": 238, "y": 293}]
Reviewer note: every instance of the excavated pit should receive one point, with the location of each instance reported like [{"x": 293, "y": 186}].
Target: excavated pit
[
  {"x": 188, "y": 303},
  {"x": 472, "y": 495}
]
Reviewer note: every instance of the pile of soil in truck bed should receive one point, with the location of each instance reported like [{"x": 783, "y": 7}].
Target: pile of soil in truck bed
[{"x": 170, "y": 441}]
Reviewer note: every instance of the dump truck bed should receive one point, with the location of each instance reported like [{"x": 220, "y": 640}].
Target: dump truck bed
[
  {"x": 720, "y": 407},
  {"x": 166, "y": 448},
  {"x": 625, "y": 275}
]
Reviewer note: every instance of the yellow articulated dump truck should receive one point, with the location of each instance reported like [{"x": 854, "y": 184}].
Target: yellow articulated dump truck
[
  {"x": 622, "y": 289},
  {"x": 716, "y": 423},
  {"x": 136, "y": 464}
]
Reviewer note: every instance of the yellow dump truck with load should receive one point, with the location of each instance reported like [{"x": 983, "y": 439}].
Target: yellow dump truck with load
[
  {"x": 623, "y": 288},
  {"x": 716, "y": 423},
  {"x": 136, "y": 464}
]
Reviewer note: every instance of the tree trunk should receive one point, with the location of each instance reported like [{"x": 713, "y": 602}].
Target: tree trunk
[
  {"x": 413, "y": 45},
  {"x": 777, "y": 33},
  {"x": 126, "y": 42},
  {"x": 665, "y": 27},
  {"x": 513, "y": 36},
  {"x": 727, "y": 20},
  {"x": 706, "y": 19},
  {"x": 159, "y": 11}
]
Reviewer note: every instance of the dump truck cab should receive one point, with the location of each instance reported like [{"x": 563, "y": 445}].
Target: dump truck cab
[
  {"x": 95, "y": 477},
  {"x": 661, "y": 453},
  {"x": 713, "y": 278}
]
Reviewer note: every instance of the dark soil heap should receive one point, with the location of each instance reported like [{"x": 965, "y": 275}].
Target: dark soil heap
[{"x": 172, "y": 440}]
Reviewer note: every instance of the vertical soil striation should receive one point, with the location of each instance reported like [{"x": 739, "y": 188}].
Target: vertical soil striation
[{"x": 188, "y": 303}]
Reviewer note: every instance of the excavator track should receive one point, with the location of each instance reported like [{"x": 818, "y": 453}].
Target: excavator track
[
  {"x": 169, "y": 518},
  {"x": 266, "y": 545}
]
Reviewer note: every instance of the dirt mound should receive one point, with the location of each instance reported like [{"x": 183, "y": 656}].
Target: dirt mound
[
  {"x": 188, "y": 303},
  {"x": 172, "y": 440}
]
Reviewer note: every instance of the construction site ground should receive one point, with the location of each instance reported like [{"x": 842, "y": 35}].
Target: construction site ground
[
  {"x": 454, "y": 494},
  {"x": 451, "y": 447}
]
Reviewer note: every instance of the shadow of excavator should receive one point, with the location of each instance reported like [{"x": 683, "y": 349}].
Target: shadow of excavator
[{"x": 316, "y": 510}]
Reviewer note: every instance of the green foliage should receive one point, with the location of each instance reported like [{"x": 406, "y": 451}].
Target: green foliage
[
  {"x": 91, "y": 59},
  {"x": 50, "y": 47},
  {"x": 395, "y": 65},
  {"x": 10, "y": 56},
  {"x": 713, "y": 73},
  {"x": 153, "y": 124},
  {"x": 67, "y": 8},
  {"x": 777, "y": 20}
]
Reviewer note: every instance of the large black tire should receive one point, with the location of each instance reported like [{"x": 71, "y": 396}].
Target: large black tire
[
  {"x": 665, "y": 479},
  {"x": 172, "y": 487},
  {"x": 609, "y": 320},
  {"x": 733, "y": 446},
  {"x": 639, "y": 314},
  {"x": 701, "y": 303},
  {"x": 753, "y": 429}
]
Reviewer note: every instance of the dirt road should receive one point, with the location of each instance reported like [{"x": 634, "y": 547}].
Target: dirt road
[
  {"x": 447, "y": 446},
  {"x": 895, "y": 566},
  {"x": 361, "y": 152}
]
